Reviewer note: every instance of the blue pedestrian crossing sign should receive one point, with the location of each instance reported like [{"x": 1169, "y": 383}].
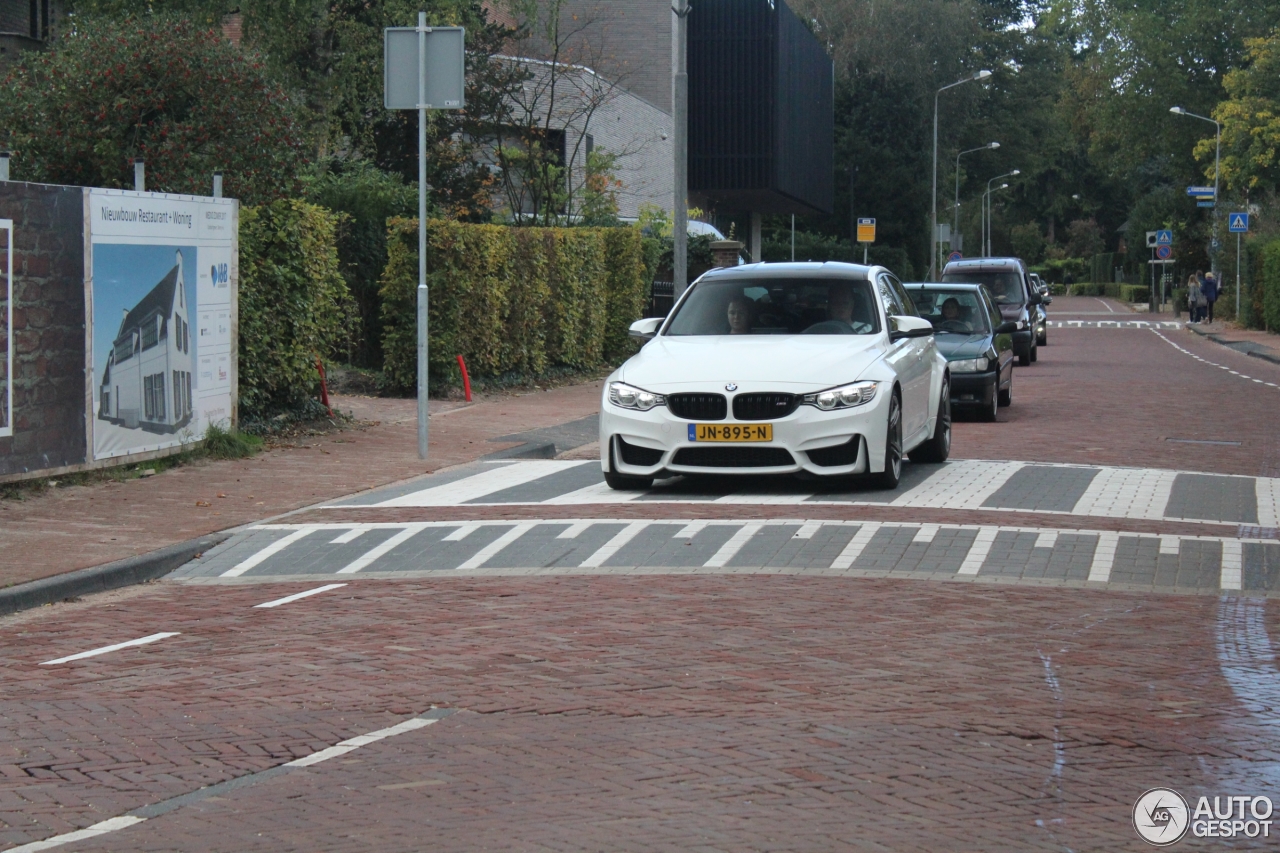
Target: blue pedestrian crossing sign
[
  {"x": 1164, "y": 237},
  {"x": 1238, "y": 223}
]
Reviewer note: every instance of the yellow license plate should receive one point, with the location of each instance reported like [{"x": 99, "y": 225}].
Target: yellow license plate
[{"x": 731, "y": 432}]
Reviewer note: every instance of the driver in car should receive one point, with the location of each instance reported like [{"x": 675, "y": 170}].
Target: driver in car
[
  {"x": 840, "y": 303},
  {"x": 739, "y": 315},
  {"x": 951, "y": 316}
]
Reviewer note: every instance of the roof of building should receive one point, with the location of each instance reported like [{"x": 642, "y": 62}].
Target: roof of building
[{"x": 159, "y": 300}]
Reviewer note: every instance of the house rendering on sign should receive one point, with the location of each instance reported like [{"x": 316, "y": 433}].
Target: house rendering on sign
[{"x": 147, "y": 381}]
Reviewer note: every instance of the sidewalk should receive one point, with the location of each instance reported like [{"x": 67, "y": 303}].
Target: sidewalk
[
  {"x": 1254, "y": 342},
  {"x": 65, "y": 529}
]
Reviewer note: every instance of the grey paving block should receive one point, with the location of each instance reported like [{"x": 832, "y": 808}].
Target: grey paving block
[
  {"x": 1261, "y": 569},
  {"x": 540, "y": 547},
  {"x": 1213, "y": 498},
  {"x": 942, "y": 555},
  {"x": 1198, "y": 565},
  {"x": 655, "y": 546},
  {"x": 1042, "y": 487},
  {"x": 854, "y": 489},
  {"x": 548, "y": 487},
  {"x": 1013, "y": 554},
  {"x": 1137, "y": 560},
  {"x": 398, "y": 490},
  {"x": 820, "y": 551},
  {"x": 885, "y": 550},
  {"x": 766, "y": 546},
  {"x": 429, "y": 550}
]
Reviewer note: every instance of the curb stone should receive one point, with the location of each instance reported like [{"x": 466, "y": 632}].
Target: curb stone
[
  {"x": 121, "y": 573},
  {"x": 1217, "y": 339}
]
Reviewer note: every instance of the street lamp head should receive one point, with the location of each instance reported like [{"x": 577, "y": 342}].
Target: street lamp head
[
  {"x": 1014, "y": 172},
  {"x": 1004, "y": 186},
  {"x": 1178, "y": 111},
  {"x": 981, "y": 75},
  {"x": 993, "y": 145},
  {"x": 1076, "y": 196}
]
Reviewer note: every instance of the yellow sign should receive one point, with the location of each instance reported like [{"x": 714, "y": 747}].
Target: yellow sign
[
  {"x": 866, "y": 230},
  {"x": 731, "y": 432}
]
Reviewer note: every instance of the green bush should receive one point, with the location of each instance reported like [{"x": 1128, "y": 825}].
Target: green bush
[
  {"x": 1131, "y": 293},
  {"x": 1056, "y": 270},
  {"x": 1087, "y": 289},
  {"x": 294, "y": 305},
  {"x": 1271, "y": 285},
  {"x": 229, "y": 443},
  {"x": 512, "y": 300}
]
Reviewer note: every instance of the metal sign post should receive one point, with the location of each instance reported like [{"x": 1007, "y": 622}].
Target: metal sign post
[
  {"x": 1239, "y": 223},
  {"x": 424, "y": 68}
]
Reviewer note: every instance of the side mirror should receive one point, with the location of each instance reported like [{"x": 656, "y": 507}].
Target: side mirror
[
  {"x": 1034, "y": 298},
  {"x": 645, "y": 329},
  {"x": 901, "y": 326},
  {"x": 1007, "y": 328}
]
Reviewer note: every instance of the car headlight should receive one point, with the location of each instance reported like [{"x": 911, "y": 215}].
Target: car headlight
[
  {"x": 629, "y": 397},
  {"x": 1022, "y": 324},
  {"x": 968, "y": 365},
  {"x": 843, "y": 397}
]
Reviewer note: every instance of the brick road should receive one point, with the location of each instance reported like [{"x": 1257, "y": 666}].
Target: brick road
[{"x": 691, "y": 711}]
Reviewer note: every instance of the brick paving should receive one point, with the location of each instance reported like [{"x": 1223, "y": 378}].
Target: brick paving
[{"x": 726, "y": 713}]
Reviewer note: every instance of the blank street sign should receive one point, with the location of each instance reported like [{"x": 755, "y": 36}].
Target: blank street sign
[{"x": 445, "y": 68}]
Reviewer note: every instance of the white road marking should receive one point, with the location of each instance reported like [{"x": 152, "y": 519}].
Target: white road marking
[
  {"x": 734, "y": 545},
  {"x": 690, "y": 530},
  {"x": 491, "y": 550},
  {"x": 1268, "y": 490},
  {"x": 1232, "y": 564},
  {"x": 300, "y": 595},
  {"x": 807, "y": 530},
  {"x": 356, "y": 742},
  {"x": 141, "y": 641},
  {"x": 271, "y": 550},
  {"x": 978, "y": 551},
  {"x": 573, "y": 531},
  {"x": 371, "y": 556},
  {"x": 600, "y": 493},
  {"x": 1214, "y": 363},
  {"x": 462, "y": 532},
  {"x": 1127, "y": 493},
  {"x": 1104, "y": 305},
  {"x": 1104, "y": 556},
  {"x": 1047, "y": 539},
  {"x": 753, "y": 498},
  {"x": 960, "y": 485},
  {"x": 88, "y": 832},
  {"x": 485, "y": 483},
  {"x": 926, "y": 533},
  {"x": 856, "y": 545},
  {"x": 608, "y": 549},
  {"x": 350, "y": 536},
  {"x": 1170, "y": 545}
]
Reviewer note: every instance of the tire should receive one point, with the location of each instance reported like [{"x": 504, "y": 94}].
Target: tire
[
  {"x": 623, "y": 483},
  {"x": 1035, "y": 353},
  {"x": 938, "y": 447},
  {"x": 892, "y": 473},
  {"x": 1006, "y": 397},
  {"x": 1043, "y": 340},
  {"x": 988, "y": 413},
  {"x": 1024, "y": 358}
]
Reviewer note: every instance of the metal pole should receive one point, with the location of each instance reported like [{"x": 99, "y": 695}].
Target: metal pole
[
  {"x": 1237, "y": 276},
  {"x": 140, "y": 175},
  {"x": 1217, "y": 133},
  {"x": 933, "y": 196},
  {"x": 4, "y": 165},
  {"x": 793, "y": 238},
  {"x": 680, "y": 132},
  {"x": 422, "y": 235},
  {"x": 217, "y": 185}
]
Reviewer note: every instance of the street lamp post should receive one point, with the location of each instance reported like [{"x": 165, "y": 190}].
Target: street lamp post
[
  {"x": 986, "y": 224},
  {"x": 1217, "y": 159},
  {"x": 955, "y": 209},
  {"x": 933, "y": 218}
]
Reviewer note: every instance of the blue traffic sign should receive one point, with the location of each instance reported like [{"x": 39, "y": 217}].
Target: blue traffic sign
[
  {"x": 1238, "y": 222},
  {"x": 955, "y": 256},
  {"x": 1164, "y": 252},
  {"x": 1204, "y": 204},
  {"x": 1164, "y": 237},
  {"x": 1202, "y": 191}
]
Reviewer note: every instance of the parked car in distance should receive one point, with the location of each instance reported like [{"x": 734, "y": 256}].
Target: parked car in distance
[
  {"x": 1040, "y": 319},
  {"x": 805, "y": 368},
  {"x": 976, "y": 341},
  {"x": 1009, "y": 283}
]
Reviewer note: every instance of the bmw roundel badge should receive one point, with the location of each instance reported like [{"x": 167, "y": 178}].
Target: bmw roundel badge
[{"x": 731, "y": 387}]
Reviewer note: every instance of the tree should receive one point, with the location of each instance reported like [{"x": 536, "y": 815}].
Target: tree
[
  {"x": 161, "y": 88},
  {"x": 1084, "y": 239},
  {"x": 1250, "y": 119}
]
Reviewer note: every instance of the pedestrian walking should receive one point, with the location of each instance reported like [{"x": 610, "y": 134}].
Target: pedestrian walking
[
  {"x": 1210, "y": 290},
  {"x": 1195, "y": 297}
]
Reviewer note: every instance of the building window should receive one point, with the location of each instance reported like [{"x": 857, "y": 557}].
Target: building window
[
  {"x": 153, "y": 396},
  {"x": 151, "y": 332}
]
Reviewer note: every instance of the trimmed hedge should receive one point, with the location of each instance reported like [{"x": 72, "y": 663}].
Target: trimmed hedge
[
  {"x": 511, "y": 300},
  {"x": 1270, "y": 281},
  {"x": 294, "y": 304},
  {"x": 1132, "y": 293}
]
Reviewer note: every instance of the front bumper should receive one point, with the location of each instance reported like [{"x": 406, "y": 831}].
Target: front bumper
[
  {"x": 834, "y": 443},
  {"x": 973, "y": 389}
]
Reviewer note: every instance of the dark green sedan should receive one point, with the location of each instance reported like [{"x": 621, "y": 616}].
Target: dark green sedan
[{"x": 975, "y": 340}]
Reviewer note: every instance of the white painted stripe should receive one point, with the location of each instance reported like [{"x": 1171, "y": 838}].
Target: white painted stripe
[
  {"x": 854, "y": 549},
  {"x": 1127, "y": 493},
  {"x": 274, "y": 548},
  {"x": 356, "y": 742},
  {"x": 1268, "y": 490},
  {"x": 600, "y": 493},
  {"x": 1047, "y": 539},
  {"x": 88, "y": 832},
  {"x": 960, "y": 485},
  {"x": 734, "y": 545},
  {"x": 350, "y": 536},
  {"x": 463, "y": 532},
  {"x": 926, "y": 533},
  {"x": 1104, "y": 557},
  {"x": 297, "y": 596},
  {"x": 978, "y": 551},
  {"x": 484, "y": 483},
  {"x": 573, "y": 531},
  {"x": 1170, "y": 545},
  {"x": 608, "y": 549},
  {"x": 807, "y": 530},
  {"x": 690, "y": 530},
  {"x": 374, "y": 554},
  {"x": 1232, "y": 563},
  {"x": 141, "y": 641},
  {"x": 491, "y": 550},
  {"x": 762, "y": 499}
]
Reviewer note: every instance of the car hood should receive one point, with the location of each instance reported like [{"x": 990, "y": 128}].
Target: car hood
[
  {"x": 1012, "y": 310},
  {"x": 807, "y": 362},
  {"x": 962, "y": 346}
]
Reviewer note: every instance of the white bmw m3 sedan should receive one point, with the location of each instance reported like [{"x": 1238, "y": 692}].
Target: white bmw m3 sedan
[{"x": 811, "y": 369}]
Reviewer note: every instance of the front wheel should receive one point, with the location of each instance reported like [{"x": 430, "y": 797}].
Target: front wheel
[
  {"x": 1035, "y": 353},
  {"x": 938, "y": 447},
  {"x": 1043, "y": 340},
  {"x": 892, "y": 473},
  {"x": 1006, "y": 396}
]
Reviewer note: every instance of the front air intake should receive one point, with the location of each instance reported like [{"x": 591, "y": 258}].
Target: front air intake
[{"x": 698, "y": 407}]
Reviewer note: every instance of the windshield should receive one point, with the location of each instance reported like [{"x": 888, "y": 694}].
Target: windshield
[
  {"x": 777, "y": 306},
  {"x": 957, "y": 311},
  {"x": 1006, "y": 287}
]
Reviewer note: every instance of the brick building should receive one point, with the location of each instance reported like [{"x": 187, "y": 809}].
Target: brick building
[{"x": 25, "y": 25}]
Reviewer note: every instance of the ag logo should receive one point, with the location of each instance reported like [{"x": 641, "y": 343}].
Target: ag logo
[{"x": 1161, "y": 816}]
